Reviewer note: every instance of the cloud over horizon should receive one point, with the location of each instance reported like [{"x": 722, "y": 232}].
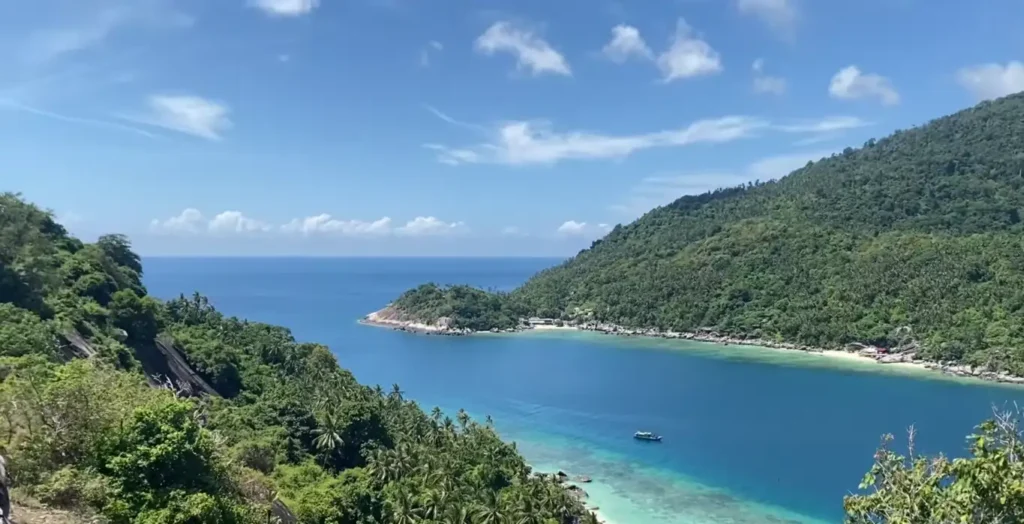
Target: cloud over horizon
[
  {"x": 519, "y": 143},
  {"x": 192, "y": 222}
]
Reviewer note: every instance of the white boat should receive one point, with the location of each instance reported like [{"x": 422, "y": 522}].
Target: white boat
[{"x": 647, "y": 435}]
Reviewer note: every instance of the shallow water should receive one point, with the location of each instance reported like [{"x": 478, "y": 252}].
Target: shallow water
[{"x": 751, "y": 435}]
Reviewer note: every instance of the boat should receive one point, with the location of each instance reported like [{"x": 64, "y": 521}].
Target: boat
[{"x": 647, "y": 435}]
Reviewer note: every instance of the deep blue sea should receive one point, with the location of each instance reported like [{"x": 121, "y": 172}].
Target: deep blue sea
[{"x": 751, "y": 435}]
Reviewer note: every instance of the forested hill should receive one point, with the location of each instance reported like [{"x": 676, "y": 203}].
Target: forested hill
[
  {"x": 282, "y": 423},
  {"x": 914, "y": 237},
  {"x": 921, "y": 229}
]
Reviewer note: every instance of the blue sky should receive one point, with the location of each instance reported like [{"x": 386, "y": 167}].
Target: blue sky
[{"x": 461, "y": 127}]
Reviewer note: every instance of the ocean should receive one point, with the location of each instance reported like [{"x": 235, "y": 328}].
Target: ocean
[{"x": 750, "y": 435}]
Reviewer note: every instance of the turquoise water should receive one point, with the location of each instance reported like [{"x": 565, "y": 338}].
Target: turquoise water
[{"x": 751, "y": 435}]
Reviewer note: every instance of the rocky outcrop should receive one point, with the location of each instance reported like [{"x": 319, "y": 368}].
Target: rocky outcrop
[
  {"x": 76, "y": 346},
  {"x": 162, "y": 362},
  {"x": 395, "y": 318}
]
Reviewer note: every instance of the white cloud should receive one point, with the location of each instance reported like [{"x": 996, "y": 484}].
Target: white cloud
[
  {"x": 765, "y": 83},
  {"x": 824, "y": 125},
  {"x": 656, "y": 191},
  {"x": 286, "y": 7},
  {"x": 187, "y": 114},
  {"x": 432, "y": 47},
  {"x": 326, "y": 224},
  {"x": 850, "y": 83},
  {"x": 512, "y": 231},
  {"x": 236, "y": 222},
  {"x": 188, "y": 221},
  {"x": 824, "y": 129},
  {"x": 518, "y": 143},
  {"x": 988, "y": 81},
  {"x": 781, "y": 15},
  {"x": 688, "y": 56},
  {"x": 572, "y": 227},
  {"x": 429, "y": 226},
  {"x": 531, "y": 52},
  {"x": 626, "y": 42}
]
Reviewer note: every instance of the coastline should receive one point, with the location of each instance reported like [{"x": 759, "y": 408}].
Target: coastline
[{"x": 389, "y": 318}]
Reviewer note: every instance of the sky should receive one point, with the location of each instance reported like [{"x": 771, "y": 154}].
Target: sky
[{"x": 456, "y": 127}]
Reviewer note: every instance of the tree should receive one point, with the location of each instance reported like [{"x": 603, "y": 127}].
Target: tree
[
  {"x": 986, "y": 487},
  {"x": 290, "y": 424},
  {"x": 23, "y": 332},
  {"x": 328, "y": 435},
  {"x": 119, "y": 249},
  {"x": 138, "y": 316}
]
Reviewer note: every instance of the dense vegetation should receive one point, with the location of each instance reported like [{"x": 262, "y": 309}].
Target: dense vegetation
[
  {"x": 987, "y": 487},
  {"x": 464, "y": 307},
  {"x": 288, "y": 423},
  {"x": 915, "y": 237}
]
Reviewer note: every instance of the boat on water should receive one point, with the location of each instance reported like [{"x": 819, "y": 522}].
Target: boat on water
[{"x": 647, "y": 435}]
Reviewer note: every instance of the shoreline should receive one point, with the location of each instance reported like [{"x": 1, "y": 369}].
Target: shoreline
[{"x": 866, "y": 354}]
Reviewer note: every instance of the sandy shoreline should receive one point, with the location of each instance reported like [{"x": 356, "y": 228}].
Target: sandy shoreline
[
  {"x": 866, "y": 357},
  {"x": 828, "y": 353}
]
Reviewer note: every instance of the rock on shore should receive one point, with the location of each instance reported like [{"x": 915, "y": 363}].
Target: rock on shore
[{"x": 395, "y": 318}]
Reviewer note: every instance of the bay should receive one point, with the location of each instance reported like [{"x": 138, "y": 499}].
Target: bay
[{"x": 751, "y": 435}]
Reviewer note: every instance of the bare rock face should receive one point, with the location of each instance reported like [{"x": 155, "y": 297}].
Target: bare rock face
[{"x": 395, "y": 318}]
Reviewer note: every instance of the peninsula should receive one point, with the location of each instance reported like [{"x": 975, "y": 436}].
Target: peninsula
[{"x": 908, "y": 247}]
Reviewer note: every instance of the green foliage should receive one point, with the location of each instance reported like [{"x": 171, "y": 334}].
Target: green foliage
[
  {"x": 912, "y": 238},
  {"x": 921, "y": 229},
  {"x": 988, "y": 486},
  {"x": 23, "y": 332},
  {"x": 465, "y": 307},
  {"x": 138, "y": 316},
  {"x": 291, "y": 424}
]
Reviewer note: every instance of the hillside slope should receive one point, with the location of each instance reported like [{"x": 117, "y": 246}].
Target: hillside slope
[
  {"x": 920, "y": 230},
  {"x": 912, "y": 240},
  {"x": 274, "y": 420}
]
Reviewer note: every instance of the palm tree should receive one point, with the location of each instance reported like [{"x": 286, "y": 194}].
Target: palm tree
[
  {"x": 434, "y": 504},
  {"x": 328, "y": 435},
  {"x": 463, "y": 418},
  {"x": 396, "y": 394},
  {"x": 457, "y": 515},
  {"x": 492, "y": 511},
  {"x": 403, "y": 509},
  {"x": 436, "y": 414}
]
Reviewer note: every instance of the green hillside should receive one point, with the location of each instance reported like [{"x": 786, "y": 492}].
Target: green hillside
[
  {"x": 921, "y": 229},
  {"x": 917, "y": 236},
  {"x": 83, "y": 428}
]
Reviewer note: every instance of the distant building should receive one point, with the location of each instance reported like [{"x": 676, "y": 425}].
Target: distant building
[{"x": 535, "y": 321}]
